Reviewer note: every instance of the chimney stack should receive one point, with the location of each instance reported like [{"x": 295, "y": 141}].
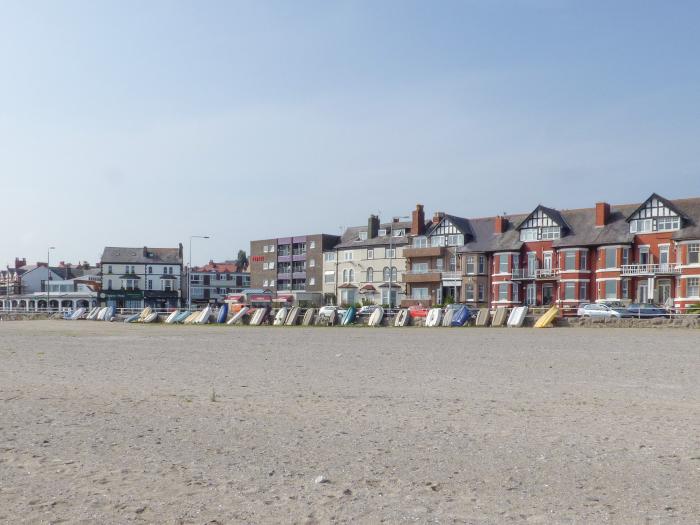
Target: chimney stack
[
  {"x": 500, "y": 224},
  {"x": 418, "y": 220},
  {"x": 20, "y": 262},
  {"x": 602, "y": 212},
  {"x": 372, "y": 226},
  {"x": 438, "y": 217}
]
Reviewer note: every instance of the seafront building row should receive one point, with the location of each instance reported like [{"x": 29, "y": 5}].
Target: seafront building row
[
  {"x": 642, "y": 252},
  {"x": 125, "y": 277}
]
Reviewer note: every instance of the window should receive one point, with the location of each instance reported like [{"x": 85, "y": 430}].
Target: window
[
  {"x": 503, "y": 263},
  {"x": 272, "y": 283},
  {"x": 569, "y": 291},
  {"x": 347, "y": 296},
  {"x": 109, "y": 269},
  {"x": 503, "y": 292},
  {"x": 481, "y": 289},
  {"x": 420, "y": 242},
  {"x": 370, "y": 253},
  {"x": 370, "y": 275},
  {"x": 528, "y": 234},
  {"x": 265, "y": 282},
  {"x": 149, "y": 284},
  {"x": 265, "y": 249},
  {"x": 347, "y": 255},
  {"x": 625, "y": 285},
  {"x": 552, "y": 232},
  {"x": 482, "y": 264},
  {"x": 109, "y": 284},
  {"x": 312, "y": 245},
  {"x": 348, "y": 275},
  {"x": 266, "y": 266},
  {"x": 150, "y": 269},
  {"x": 437, "y": 241},
  {"x": 570, "y": 261},
  {"x": 693, "y": 287},
  {"x": 582, "y": 291},
  {"x": 469, "y": 292},
  {"x": 420, "y": 267},
  {"x": 693, "y": 253},
  {"x": 312, "y": 281},
  {"x": 312, "y": 263},
  {"x": 516, "y": 260},
  {"x": 329, "y": 256},
  {"x": 455, "y": 240},
  {"x": 329, "y": 277},
  {"x": 389, "y": 253},
  {"x": 272, "y": 248},
  {"x": 516, "y": 289},
  {"x": 668, "y": 223},
  {"x": 470, "y": 264},
  {"x": 362, "y": 236},
  {"x": 584, "y": 261},
  {"x": 167, "y": 285},
  {"x": 419, "y": 293},
  {"x": 610, "y": 289},
  {"x": 381, "y": 232},
  {"x": 610, "y": 257},
  {"x": 399, "y": 233},
  {"x": 439, "y": 264}
]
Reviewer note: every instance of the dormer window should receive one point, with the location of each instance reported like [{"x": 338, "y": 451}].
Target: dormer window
[
  {"x": 363, "y": 236},
  {"x": 420, "y": 242},
  {"x": 656, "y": 214},
  {"x": 382, "y": 232},
  {"x": 543, "y": 224},
  {"x": 398, "y": 233}
]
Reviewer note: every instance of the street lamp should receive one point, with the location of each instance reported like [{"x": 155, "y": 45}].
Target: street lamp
[
  {"x": 48, "y": 278},
  {"x": 189, "y": 271},
  {"x": 394, "y": 220}
]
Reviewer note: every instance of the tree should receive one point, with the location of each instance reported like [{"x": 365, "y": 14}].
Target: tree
[{"x": 242, "y": 259}]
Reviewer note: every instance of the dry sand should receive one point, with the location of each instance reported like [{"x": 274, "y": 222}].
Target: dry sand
[{"x": 113, "y": 423}]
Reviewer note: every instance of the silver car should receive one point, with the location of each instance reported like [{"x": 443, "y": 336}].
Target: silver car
[{"x": 598, "y": 310}]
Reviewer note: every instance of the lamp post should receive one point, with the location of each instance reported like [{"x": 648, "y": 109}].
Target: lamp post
[
  {"x": 48, "y": 278},
  {"x": 391, "y": 254},
  {"x": 189, "y": 271}
]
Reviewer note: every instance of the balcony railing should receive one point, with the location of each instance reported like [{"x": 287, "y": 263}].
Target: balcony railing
[
  {"x": 535, "y": 273},
  {"x": 650, "y": 269}
]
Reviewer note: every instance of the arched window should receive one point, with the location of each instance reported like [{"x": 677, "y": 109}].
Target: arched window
[
  {"x": 385, "y": 274},
  {"x": 345, "y": 275},
  {"x": 370, "y": 275},
  {"x": 352, "y": 276},
  {"x": 394, "y": 274}
]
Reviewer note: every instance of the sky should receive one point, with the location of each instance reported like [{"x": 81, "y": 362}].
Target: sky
[{"x": 132, "y": 123}]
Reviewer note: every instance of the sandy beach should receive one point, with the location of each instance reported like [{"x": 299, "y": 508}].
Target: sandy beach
[{"x": 114, "y": 423}]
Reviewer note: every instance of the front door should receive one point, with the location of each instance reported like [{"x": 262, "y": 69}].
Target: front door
[
  {"x": 642, "y": 292},
  {"x": 663, "y": 292},
  {"x": 547, "y": 294},
  {"x": 531, "y": 294}
]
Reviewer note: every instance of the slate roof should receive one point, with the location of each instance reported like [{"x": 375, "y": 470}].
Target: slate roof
[
  {"x": 350, "y": 237},
  {"x": 460, "y": 223},
  {"x": 580, "y": 227},
  {"x": 115, "y": 254}
]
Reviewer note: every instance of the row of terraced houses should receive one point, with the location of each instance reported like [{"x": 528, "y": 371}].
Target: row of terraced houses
[{"x": 642, "y": 252}]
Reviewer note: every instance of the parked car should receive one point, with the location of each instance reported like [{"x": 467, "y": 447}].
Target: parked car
[
  {"x": 601, "y": 311},
  {"x": 645, "y": 311}
]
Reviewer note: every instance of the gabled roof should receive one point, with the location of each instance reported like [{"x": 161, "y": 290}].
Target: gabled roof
[
  {"x": 553, "y": 214},
  {"x": 663, "y": 200},
  {"x": 460, "y": 223}
]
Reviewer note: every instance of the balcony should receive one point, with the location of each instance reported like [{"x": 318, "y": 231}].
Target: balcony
[
  {"x": 430, "y": 276},
  {"x": 631, "y": 270},
  {"x": 525, "y": 274},
  {"x": 430, "y": 251}
]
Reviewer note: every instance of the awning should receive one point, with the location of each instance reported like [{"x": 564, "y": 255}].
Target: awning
[
  {"x": 347, "y": 285},
  {"x": 368, "y": 288},
  {"x": 393, "y": 285}
]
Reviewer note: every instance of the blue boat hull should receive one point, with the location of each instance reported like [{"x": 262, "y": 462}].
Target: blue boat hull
[{"x": 460, "y": 317}]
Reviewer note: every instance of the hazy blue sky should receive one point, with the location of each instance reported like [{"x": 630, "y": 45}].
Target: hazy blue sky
[{"x": 141, "y": 123}]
